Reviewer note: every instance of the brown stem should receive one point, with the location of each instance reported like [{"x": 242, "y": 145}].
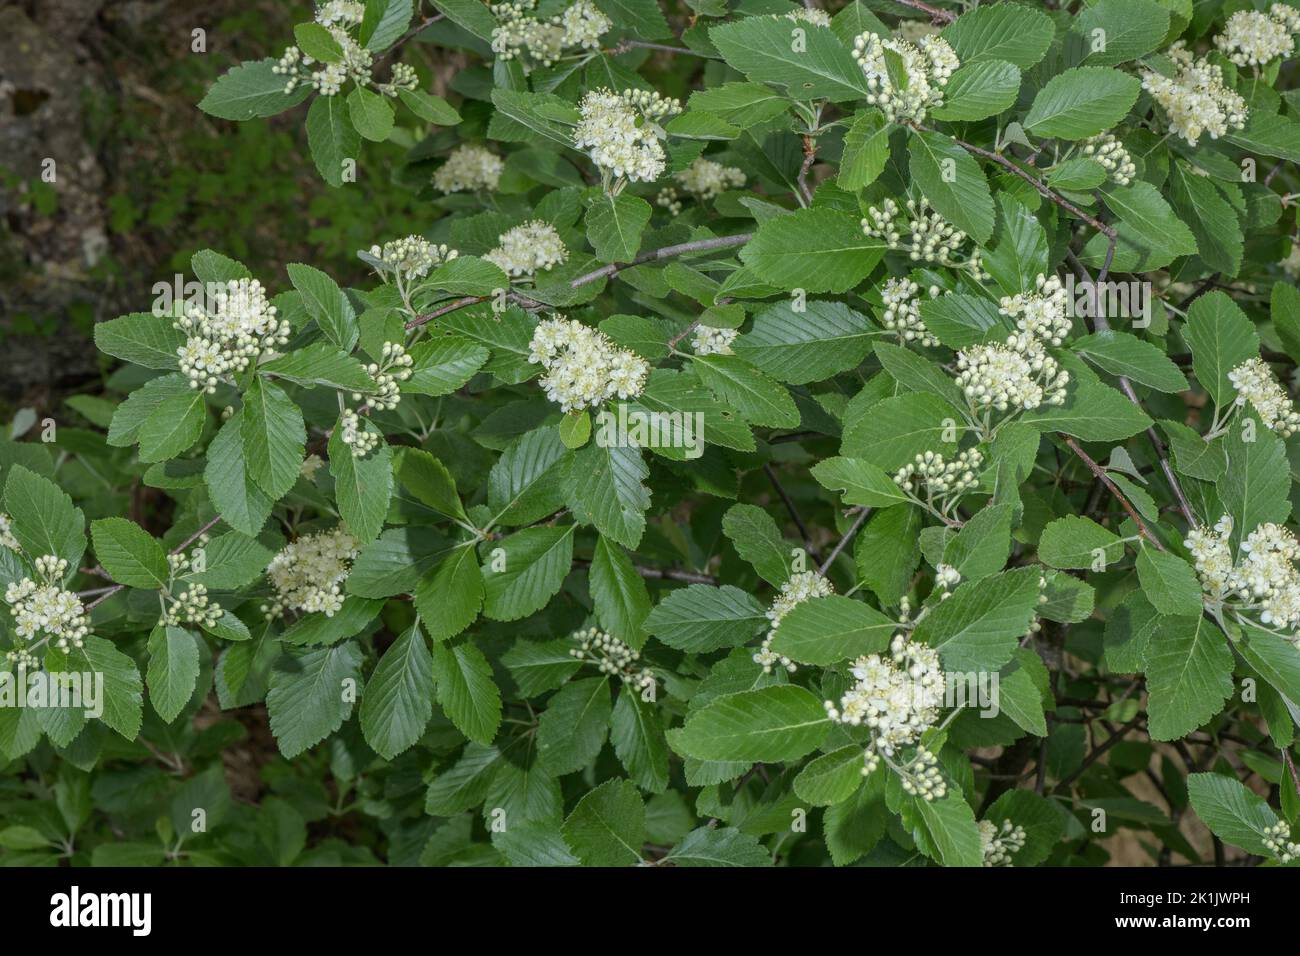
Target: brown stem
[
  {"x": 848, "y": 536},
  {"x": 1100, "y": 472},
  {"x": 937, "y": 16}
]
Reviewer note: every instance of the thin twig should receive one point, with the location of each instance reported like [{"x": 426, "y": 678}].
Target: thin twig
[
  {"x": 848, "y": 536},
  {"x": 794, "y": 512},
  {"x": 937, "y": 16},
  {"x": 1092, "y": 758},
  {"x": 1100, "y": 472},
  {"x": 665, "y": 574}
]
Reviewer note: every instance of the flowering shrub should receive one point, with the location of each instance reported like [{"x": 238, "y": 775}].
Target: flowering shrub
[{"x": 800, "y": 435}]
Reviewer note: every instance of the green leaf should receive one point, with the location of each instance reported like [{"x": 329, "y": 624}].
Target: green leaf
[
  {"x": 433, "y": 109},
  {"x": 892, "y": 432},
  {"x": 43, "y": 517},
  {"x": 754, "y": 534},
  {"x": 953, "y": 183},
  {"x": 701, "y": 618},
  {"x": 430, "y": 482},
  {"x": 141, "y": 338},
  {"x": 442, "y": 365},
  {"x": 1130, "y": 28},
  {"x": 317, "y": 42},
  {"x": 1257, "y": 484},
  {"x": 371, "y": 114},
  {"x": 242, "y": 504},
  {"x": 1011, "y": 32},
  {"x": 527, "y": 572},
  {"x": 979, "y": 90},
  {"x": 810, "y": 344},
  {"x": 605, "y": 487},
  {"x": 1150, "y": 236},
  {"x": 859, "y": 482},
  {"x": 572, "y": 729},
  {"x": 831, "y": 778},
  {"x": 1213, "y": 221},
  {"x": 1189, "y": 675},
  {"x": 1169, "y": 582},
  {"x": 384, "y": 23},
  {"x": 250, "y": 90},
  {"x": 123, "y": 691},
  {"x": 274, "y": 438},
  {"x": 173, "y": 670},
  {"x": 761, "y": 48},
  {"x": 129, "y": 553},
  {"x": 363, "y": 485},
  {"x": 1221, "y": 338},
  {"x": 637, "y": 733},
  {"x": 979, "y": 626},
  {"x": 615, "y": 225},
  {"x": 607, "y": 827},
  {"x": 768, "y": 725},
  {"x": 866, "y": 150},
  {"x": 1234, "y": 814},
  {"x": 312, "y": 691},
  {"x": 720, "y": 846},
  {"x": 325, "y": 302},
  {"x": 333, "y": 141},
  {"x": 1120, "y": 353},
  {"x": 619, "y": 594},
  {"x": 172, "y": 427},
  {"x": 817, "y": 250},
  {"x": 1073, "y": 542},
  {"x": 398, "y": 699},
  {"x": 525, "y": 484},
  {"x": 830, "y": 629},
  {"x": 951, "y": 826},
  {"x": 1082, "y": 102},
  {"x": 322, "y": 363},
  {"x": 449, "y": 599},
  {"x": 980, "y": 548}
]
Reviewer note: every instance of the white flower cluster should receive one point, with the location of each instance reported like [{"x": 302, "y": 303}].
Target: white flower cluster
[
  {"x": 946, "y": 577},
  {"x": 1278, "y": 839},
  {"x": 543, "y": 42},
  {"x": 706, "y": 179},
  {"x": 1251, "y": 38},
  {"x": 928, "y": 63},
  {"x": 583, "y": 365},
  {"x": 903, "y": 311},
  {"x": 930, "y": 237},
  {"x": 999, "y": 843},
  {"x": 468, "y": 168},
  {"x": 339, "y": 17},
  {"x": 621, "y": 132},
  {"x": 7, "y": 539},
  {"x": 711, "y": 341},
  {"x": 1255, "y": 384},
  {"x": 1263, "y": 580},
  {"x": 192, "y": 606},
  {"x": 308, "y": 574},
  {"x": 1017, "y": 375},
  {"x": 1113, "y": 157},
  {"x": 941, "y": 479},
  {"x": 613, "y": 657},
  {"x": 525, "y": 250},
  {"x": 1042, "y": 314},
  {"x": 802, "y": 586},
  {"x": 818, "y": 18},
  {"x": 43, "y": 610},
  {"x": 413, "y": 257},
  {"x": 898, "y": 697},
  {"x": 222, "y": 342},
  {"x": 1196, "y": 99}
]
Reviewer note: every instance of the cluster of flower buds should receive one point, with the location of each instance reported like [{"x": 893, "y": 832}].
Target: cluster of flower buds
[
  {"x": 528, "y": 249},
  {"x": 942, "y": 481},
  {"x": 308, "y": 574},
  {"x": 613, "y": 657},
  {"x": 352, "y": 62},
  {"x": 412, "y": 257},
  {"x": 354, "y": 433},
  {"x": 1252, "y": 38},
  {"x": 1263, "y": 581},
  {"x": 1196, "y": 99},
  {"x": 394, "y": 366},
  {"x": 519, "y": 35},
  {"x": 1278, "y": 840},
  {"x": 44, "y": 613},
  {"x": 192, "y": 606},
  {"x": 583, "y": 365},
  {"x": 1255, "y": 384},
  {"x": 1110, "y": 153},
  {"x": 1044, "y": 313},
  {"x": 999, "y": 843},
  {"x": 930, "y": 237},
  {"x": 903, "y": 311},
  {"x": 222, "y": 341},
  {"x": 928, "y": 63},
  {"x": 469, "y": 168},
  {"x": 1017, "y": 375},
  {"x": 621, "y": 132},
  {"x": 711, "y": 341},
  {"x": 802, "y": 586}
]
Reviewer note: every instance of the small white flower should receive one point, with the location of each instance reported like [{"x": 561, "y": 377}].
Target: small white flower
[
  {"x": 931, "y": 238},
  {"x": 711, "y": 341},
  {"x": 706, "y": 179},
  {"x": 818, "y": 18},
  {"x": 1251, "y": 38},
  {"x": 928, "y": 63},
  {"x": 621, "y": 133},
  {"x": 413, "y": 257},
  {"x": 802, "y": 586},
  {"x": 1042, "y": 313},
  {"x": 308, "y": 574},
  {"x": 583, "y": 365},
  {"x": 7, "y": 539},
  {"x": 224, "y": 335},
  {"x": 1018, "y": 375},
  {"x": 1113, "y": 157},
  {"x": 613, "y": 657},
  {"x": 1196, "y": 100},
  {"x": 1255, "y": 384},
  {"x": 903, "y": 311},
  {"x": 44, "y": 613}
]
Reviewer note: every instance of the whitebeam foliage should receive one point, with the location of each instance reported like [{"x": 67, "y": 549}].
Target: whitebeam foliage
[{"x": 858, "y": 434}]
